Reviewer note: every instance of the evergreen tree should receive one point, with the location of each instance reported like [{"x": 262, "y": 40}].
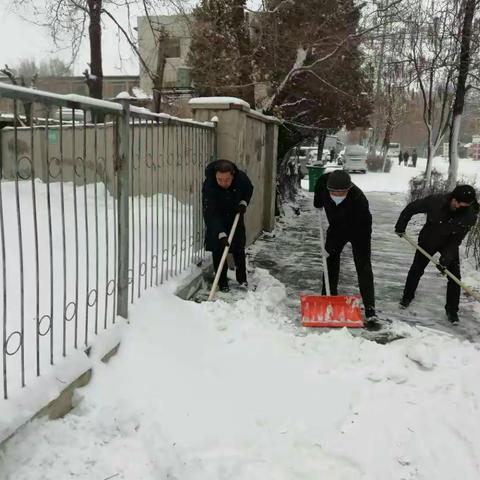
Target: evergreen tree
[{"x": 220, "y": 52}]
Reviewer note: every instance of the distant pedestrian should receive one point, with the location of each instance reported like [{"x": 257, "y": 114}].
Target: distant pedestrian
[
  {"x": 400, "y": 158},
  {"x": 406, "y": 155},
  {"x": 414, "y": 157},
  {"x": 332, "y": 154}
]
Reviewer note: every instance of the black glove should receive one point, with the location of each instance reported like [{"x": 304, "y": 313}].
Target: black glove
[
  {"x": 399, "y": 232},
  {"x": 445, "y": 260},
  {"x": 440, "y": 267},
  {"x": 224, "y": 242},
  {"x": 241, "y": 209}
]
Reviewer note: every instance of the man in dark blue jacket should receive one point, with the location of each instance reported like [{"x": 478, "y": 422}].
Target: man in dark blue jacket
[
  {"x": 349, "y": 220},
  {"x": 226, "y": 192},
  {"x": 449, "y": 218}
]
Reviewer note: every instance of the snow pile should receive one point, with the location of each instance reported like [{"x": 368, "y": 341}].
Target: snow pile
[
  {"x": 235, "y": 391},
  {"x": 149, "y": 217},
  {"x": 141, "y": 94}
]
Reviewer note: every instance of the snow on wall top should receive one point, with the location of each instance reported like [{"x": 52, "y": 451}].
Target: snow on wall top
[
  {"x": 220, "y": 101},
  {"x": 224, "y": 103},
  {"x": 165, "y": 116}
]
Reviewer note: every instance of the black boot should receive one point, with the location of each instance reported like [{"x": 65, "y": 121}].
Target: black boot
[
  {"x": 452, "y": 316},
  {"x": 371, "y": 320},
  {"x": 223, "y": 286},
  {"x": 404, "y": 303}
]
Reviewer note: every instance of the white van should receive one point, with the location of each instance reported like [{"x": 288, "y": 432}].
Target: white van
[
  {"x": 355, "y": 159},
  {"x": 393, "y": 150}
]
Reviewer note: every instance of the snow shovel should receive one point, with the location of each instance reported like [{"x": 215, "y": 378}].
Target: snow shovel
[
  {"x": 468, "y": 290},
  {"x": 224, "y": 257},
  {"x": 330, "y": 310}
]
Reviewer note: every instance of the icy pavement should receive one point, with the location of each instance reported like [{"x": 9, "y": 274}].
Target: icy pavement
[{"x": 293, "y": 256}]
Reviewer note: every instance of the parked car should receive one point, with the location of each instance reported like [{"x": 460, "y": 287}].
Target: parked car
[
  {"x": 393, "y": 150},
  {"x": 313, "y": 155},
  {"x": 355, "y": 159}
]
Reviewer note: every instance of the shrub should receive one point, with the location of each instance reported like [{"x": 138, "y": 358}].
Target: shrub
[
  {"x": 375, "y": 163},
  {"x": 419, "y": 189}
]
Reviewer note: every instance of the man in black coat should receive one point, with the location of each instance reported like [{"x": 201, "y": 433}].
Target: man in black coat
[
  {"x": 449, "y": 219},
  {"x": 226, "y": 192},
  {"x": 414, "y": 157},
  {"x": 349, "y": 220}
]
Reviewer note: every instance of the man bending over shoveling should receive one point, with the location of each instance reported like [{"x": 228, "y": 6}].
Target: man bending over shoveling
[
  {"x": 349, "y": 220},
  {"x": 449, "y": 218},
  {"x": 226, "y": 192}
]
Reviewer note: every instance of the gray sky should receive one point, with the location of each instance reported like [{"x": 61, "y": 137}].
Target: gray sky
[{"x": 19, "y": 40}]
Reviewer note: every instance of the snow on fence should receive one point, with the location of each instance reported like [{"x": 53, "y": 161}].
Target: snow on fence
[{"x": 94, "y": 210}]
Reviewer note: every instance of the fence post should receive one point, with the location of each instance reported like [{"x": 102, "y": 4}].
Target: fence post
[
  {"x": 123, "y": 189},
  {"x": 215, "y": 146}
]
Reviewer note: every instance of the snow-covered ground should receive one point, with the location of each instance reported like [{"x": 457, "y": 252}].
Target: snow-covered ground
[
  {"x": 397, "y": 179},
  {"x": 238, "y": 391},
  {"x": 233, "y": 391}
]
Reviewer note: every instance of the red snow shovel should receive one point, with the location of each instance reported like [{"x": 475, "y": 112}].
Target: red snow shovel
[{"x": 330, "y": 310}]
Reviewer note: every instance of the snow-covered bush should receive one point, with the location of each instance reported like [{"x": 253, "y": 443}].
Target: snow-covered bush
[{"x": 419, "y": 189}]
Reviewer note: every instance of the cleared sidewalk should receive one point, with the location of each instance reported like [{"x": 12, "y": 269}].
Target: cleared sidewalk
[{"x": 293, "y": 257}]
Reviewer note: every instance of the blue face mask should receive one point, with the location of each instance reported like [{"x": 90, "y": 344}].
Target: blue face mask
[{"x": 337, "y": 200}]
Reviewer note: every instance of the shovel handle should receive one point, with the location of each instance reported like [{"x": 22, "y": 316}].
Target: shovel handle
[
  {"x": 324, "y": 256},
  {"x": 224, "y": 257},
  {"x": 468, "y": 290}
]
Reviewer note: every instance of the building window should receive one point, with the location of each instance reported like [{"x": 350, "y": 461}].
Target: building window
[{"x": 172, "y": 47}]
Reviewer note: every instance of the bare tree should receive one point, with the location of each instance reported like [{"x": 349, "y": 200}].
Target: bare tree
[
  {"x": 22, "y": 81},
  {"x": 464, "y": 60},
  {"x": 54, "y": 67},
  {"x": 432, "y": 57},
  {"x": 384, "y": 48}
]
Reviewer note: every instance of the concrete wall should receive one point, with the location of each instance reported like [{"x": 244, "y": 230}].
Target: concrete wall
[
  {"x": 165, "y": 158},
  {"x": 248, "y": 139},
  {"x": 174, "y": 154}
]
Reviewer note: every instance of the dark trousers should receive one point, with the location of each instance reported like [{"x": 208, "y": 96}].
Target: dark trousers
[
  {"x": 240, "y": 264},
  {"x": 420, "y": 261},
  {"x": 362, "y": 257}
]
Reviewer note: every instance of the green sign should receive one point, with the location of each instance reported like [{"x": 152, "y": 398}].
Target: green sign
[{"x": 53, "y": 137}]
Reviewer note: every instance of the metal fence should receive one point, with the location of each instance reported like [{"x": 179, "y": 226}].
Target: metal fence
[{"x": 99, "y": 202}]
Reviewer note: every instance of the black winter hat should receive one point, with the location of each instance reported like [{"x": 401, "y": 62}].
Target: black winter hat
[
  {"x": 339, "y": 180},
  {"x": 464, "y": 193}
]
